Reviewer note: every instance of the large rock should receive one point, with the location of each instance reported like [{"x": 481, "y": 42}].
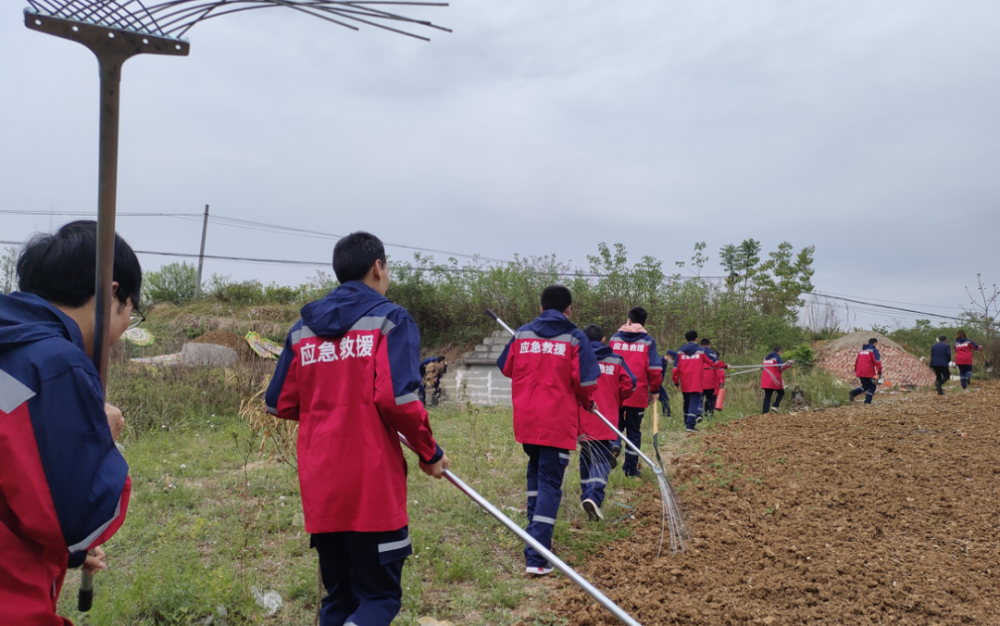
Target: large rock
[{"x": 208, "y": 355}]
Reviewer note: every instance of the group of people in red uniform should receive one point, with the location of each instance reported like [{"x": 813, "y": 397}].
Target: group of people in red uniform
[{"x": 350, "y": 375}]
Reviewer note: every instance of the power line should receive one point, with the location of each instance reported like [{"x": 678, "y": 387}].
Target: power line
[
  {"x": 886, "y": 306},
  {"x": 933, "y": 306},
  {"x": 249, "y": 225}
]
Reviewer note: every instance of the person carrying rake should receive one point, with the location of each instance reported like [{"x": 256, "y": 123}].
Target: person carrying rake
[
  {"x": 614, "y": 386},
  {"x": 552, "y": 371},
  {"x": 349, "y": 374}
]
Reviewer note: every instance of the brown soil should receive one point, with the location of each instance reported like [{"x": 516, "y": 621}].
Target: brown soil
[
  {"x": 229, "y": 340},
  {"x": 885, "y": 514}
]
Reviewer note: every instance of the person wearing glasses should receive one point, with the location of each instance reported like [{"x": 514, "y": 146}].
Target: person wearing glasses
[{"x": 64, "y": 486}]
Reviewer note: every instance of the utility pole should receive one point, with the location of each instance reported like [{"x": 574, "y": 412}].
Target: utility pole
[{"x": 201, "y": 255}]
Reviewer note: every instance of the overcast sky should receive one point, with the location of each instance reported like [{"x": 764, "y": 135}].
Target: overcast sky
[{"x": 867, "y": 129}]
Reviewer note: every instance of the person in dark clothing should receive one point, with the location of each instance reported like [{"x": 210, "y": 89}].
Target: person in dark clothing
[
  {"x": 940, "y": 360},
  {"x": 663, "y": 397},
  {"x": 432, "y": 370}
]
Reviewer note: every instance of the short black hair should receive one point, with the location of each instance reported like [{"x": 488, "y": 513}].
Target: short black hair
[
  {"x": 873, "y": 341},
  {"x": 943, "y": 338},
  {"x": 355, "y": 254},
  {"x": 706, "y": 342},
  {"x": 691, "y": 335},
  {"x": 776, "y": 349},
  {"x": 638, "y": 315},
  {"x": 62, "y": 268},
  {"x": 593, "y": 332},
  {"x": 556, "y": 298}
]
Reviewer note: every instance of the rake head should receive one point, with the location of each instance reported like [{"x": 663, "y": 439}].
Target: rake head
[{"x": 173, "y": 18}]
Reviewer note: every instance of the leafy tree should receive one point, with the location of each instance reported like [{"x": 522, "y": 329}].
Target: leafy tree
[
  {"x": 783, "y": 279},
  {"x": 174, "y": 282},
  {"x": 8, "y": 271}
]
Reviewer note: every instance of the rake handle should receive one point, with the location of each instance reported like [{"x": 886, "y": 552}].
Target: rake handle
[{"x": 570, "y": 573}]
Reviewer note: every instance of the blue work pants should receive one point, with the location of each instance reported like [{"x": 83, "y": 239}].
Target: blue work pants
[{"x": 546, "y": 468}]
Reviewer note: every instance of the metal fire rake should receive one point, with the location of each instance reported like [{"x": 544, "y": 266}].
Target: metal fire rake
[{"x": 117, "y": 30}]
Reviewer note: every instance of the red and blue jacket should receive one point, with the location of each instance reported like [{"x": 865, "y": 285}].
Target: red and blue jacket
[
  {"x": 771, "y": 377},
  {"x": 614, "y": 386},
  {"x": 963, "y": 351},
  {"x": 868, "y": 363},
  {"x": 552, "y": 371},
  {"x": 689, "y": 368},
  {"x": 712, "y": 376},
  {"x": 349, "y": 374},
  {"x": 638, "y": 349},
  {"x": 64, "y": 486}
]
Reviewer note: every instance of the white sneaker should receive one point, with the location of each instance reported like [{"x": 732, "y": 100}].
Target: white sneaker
[
  {"x": 593, "y": 511},
  {"x": 538, "y": 571}
]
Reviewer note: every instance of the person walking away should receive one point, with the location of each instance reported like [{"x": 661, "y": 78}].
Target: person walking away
[
  {"x": 638, "y": 348},
  {"x": 710, "y": 378},
  {"x": 662, "y": 393},
  {"x": 868, "y": 369},
  {"x": 771, "y": 380},
  {"x": 614, "y": 386},
  {"x": 552, "y": 371},
  {"x": 688, "y": 376},
  {"x": 963, "y": 357},
  {"x": 349, "y": 374},
  {"x": 64, "y": 486},
  {"x": 940, "y": 361}
]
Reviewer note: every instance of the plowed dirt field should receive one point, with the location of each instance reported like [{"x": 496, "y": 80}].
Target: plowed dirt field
[{"x": 881, "y": 514}]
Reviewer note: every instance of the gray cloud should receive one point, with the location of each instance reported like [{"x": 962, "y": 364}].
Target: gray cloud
[{"x": 866, "y": 129}]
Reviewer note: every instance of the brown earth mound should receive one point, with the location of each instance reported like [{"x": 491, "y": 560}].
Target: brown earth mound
[
  {"x": 885, "y": 514},
  {"x": 230, "y": 340}
]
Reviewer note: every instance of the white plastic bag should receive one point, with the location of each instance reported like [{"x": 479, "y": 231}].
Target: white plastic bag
[{"x": 269, "y": 601}]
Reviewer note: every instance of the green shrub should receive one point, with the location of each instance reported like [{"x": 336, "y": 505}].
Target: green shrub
[{"x": 174, "y": 282}]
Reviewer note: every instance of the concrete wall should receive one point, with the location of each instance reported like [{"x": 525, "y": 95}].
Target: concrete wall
[{"x": 476, "y": 378}]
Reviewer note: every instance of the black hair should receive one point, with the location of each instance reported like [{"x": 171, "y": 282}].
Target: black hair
[
  {"x": 776, "y": 349},
  {"x": 706, "y": 342},
  {"x": 556, "y": 298},
  {"x": 943, "y": 338},
  {"x": 873, "y": 341},
  {"x": 355, "y": 254},
  {"x": 62, "y": 268},
  {"x": 593, "y": 332},
  {"x": 638, "y": 315},
  {"x": 691, "y": 335}
]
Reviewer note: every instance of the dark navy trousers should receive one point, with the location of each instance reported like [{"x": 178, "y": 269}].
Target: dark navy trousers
[
  {"x": 362, "y": 575},
  {"x": 595, "y": 467},
  {"x": 630, "y": 423},
  {"x": 965, "y": 373},
  {"x": 867, "y": 387},
  {"x": 692, "y": 408},
  {"x": 546, "y": 468}
]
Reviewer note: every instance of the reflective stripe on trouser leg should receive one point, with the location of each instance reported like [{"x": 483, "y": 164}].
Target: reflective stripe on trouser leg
[
  {"x": 595, "y": 466},
  {"x": 532, "y": 476},
  {"x": 633, "y": 423},
  {"x": 552, "y": 464}
]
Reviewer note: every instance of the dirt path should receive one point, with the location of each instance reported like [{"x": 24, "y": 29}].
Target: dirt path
[{"x": 886, "y": 514}]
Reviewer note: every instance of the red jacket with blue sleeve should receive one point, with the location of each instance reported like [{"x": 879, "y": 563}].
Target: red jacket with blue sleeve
[
  {"x": 614, "y": 386},
  {"x": 712, "y": 376},
  {"x": 689, "y": 368},
  {"x": 868, "y": 363},
  {"x": 64, "y": 486},
  {"x": 349, "y": 374},
  {"x": 552, "y": 371},
  {"x": 638, "y": 348},
  {"x": 771, "y": 376},
  {"x": 963, "y": 351}
]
